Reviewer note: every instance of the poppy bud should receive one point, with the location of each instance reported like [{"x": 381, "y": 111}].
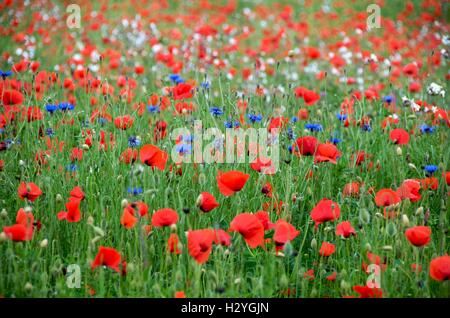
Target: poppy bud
[
  {"x": 43, "y": 243},
  {"x": 313, "y": 243},
  {"x": 173, "y": 228},
  {"x": 405, "y": 220},
  {"x": 85, "y": 147},
  {"x": 124, "y": 203},
  {"x": 3, "y": 237},
  {"x": 364, "y": 216},
  {"x": 201, "y": 178},
  {"x": 59, "y": 198},
  {"x": 227, "y": 252},
  {"x": 237, "y": 281},
  {"x": 28, "y": 209},
  {"x": 90, "y": 220},
  {"x": 280, "y": 254},
  {"x": 319, "y": 113},
  {"x": 327, "y": 229},
  {"x": 313, "y": 292},
  {"x": 391, "y": 229},
  {"x": 419, "y": 210},
  {"x": 368, "y": 247},
  {"x": 412, "y": 166},
  {"x": 288, "y": 250},
  {"x": 130, "y": 267},
  {"x": 379, "y": 215},
  {"x": 284, "y": 282},
  {"x": 344, "y": 285},
  {"x": 309, "y": 191},
  {"x": 21, "y": 163},
  {"x": 28, "y": 286},
  {"x": 387, "y": 248},
  {"x": 399, "y": 151},
  {"x": 4, "y": 214}
]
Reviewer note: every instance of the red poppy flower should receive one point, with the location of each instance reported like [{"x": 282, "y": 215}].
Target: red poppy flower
[
  {"x": 411, "y": 70},
  {"x": 128, "y": 218},
  {"x": 207, "y": 202},
  {"x": 386, "y": 197},
  {"x": 76, "y": 194},
  {"x": 231, "y": 181},
  {"x": 367, "y": 292},
  {"x": 16, "y": 232},
  {"x": 440, "y": 268},
  {"x": 399, "y": 136},
  {"x": 222, "y": 237},
  {"x": 164, "y": 217},
  {"x": 72, "y": 214},
  {"x": 153, "y": 156},
  {"x": 249, "y": 226},
  {"x": 332, "y": 277},
  {"x": 327, "y": 153},
  {"x": 12, "y": 97},
  {"x": 263, "y": 165},
  {"x": 29, "y": 191},
  {"x": 200, "y": 244},
  {"x": 180, "y": 294},
  {"x": 182, "y": 91},
  {"x": 128, "y": 156},
  {"x": 309, "y": 97},
  {"x": 325, "y": 210},
  {"x": 109, "y": 257},
  {"x": 409, "y": 190},
  {"x": 431, "y": 183},
  {"x": 76, "y": 154},
  {"x": 327, "y": 249},
  {"x": 263, "y": 217},
  {"x": 305, "y": 146},
  {"x": 172, "y": 244},
  {"x": 284, "y": 232},
  {"x": 345, "y": 229},
  {"x": 418, "y": 235},
  {"x": 124, "y": 122},
  {"x": 267, "y": 190},
  {"x": 351, "y": 189}
]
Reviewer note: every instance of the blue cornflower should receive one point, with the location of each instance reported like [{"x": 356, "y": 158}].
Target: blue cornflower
[
  {"x": 153, "y": 109},
  {"x": 341, "y": 117},
  {"x": 205, "y": 84},
  {"x": 289, "y": 148},
  {"x": 49, "y": 132},
  {"x": 388, "y": 99},
  {"x": 85, "y": 123},
  {"x": 134, "y": 141},
  {"x": 5, "y": 74},
  {"x": 430, "y": 169},
  {"x": 291, "y": 133},
  {"x": 335, "y": 140},
  {"x": 135, "y": 191},
  {"x": 216, "y": 111},
  {"x": 366, "y": 127},
  {"x": 228, "y": 124},
  {"x": 313, "y": 127},
  {"x": 187, "y": 138},
  {"x": 255, "y": 118},
  {"x": 66, "y": 106},
  {"x": 51, "y": 108},
  {"x": 176, "y": 78},
  {"x": 183, "y": 148},
  {"x": 294, "y": 119},
  {"x": 102, "y": 121},
  {"x": 425, "y": 129},
  {"x": 72, "y": 167}
]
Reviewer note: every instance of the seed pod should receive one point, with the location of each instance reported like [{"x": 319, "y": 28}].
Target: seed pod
[
  {"x": 364, "y": 216},
  {"x": 391, "y": 229}
]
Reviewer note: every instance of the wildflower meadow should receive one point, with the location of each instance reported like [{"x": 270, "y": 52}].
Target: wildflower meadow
[{"x": 215, "y": 149}]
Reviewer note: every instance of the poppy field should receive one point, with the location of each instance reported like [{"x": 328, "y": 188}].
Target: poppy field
[{"x": 116, "y": 178}]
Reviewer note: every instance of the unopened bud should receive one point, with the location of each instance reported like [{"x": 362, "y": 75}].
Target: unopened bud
[
  {"x": 399, "y": 151},
  {"x": 3, "y": 214},
  {"x": 405, "y": 220},
  {"x": 28, "y": 286},
  {"x": 124, "y": 203},
  {"x": 314, "y": 244},
  {"x": 59, "y": 198},
  {"x": 90, "y": 220},
  {"x": 44, "y": 243},
  {"x": 419, "y": 211}
]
